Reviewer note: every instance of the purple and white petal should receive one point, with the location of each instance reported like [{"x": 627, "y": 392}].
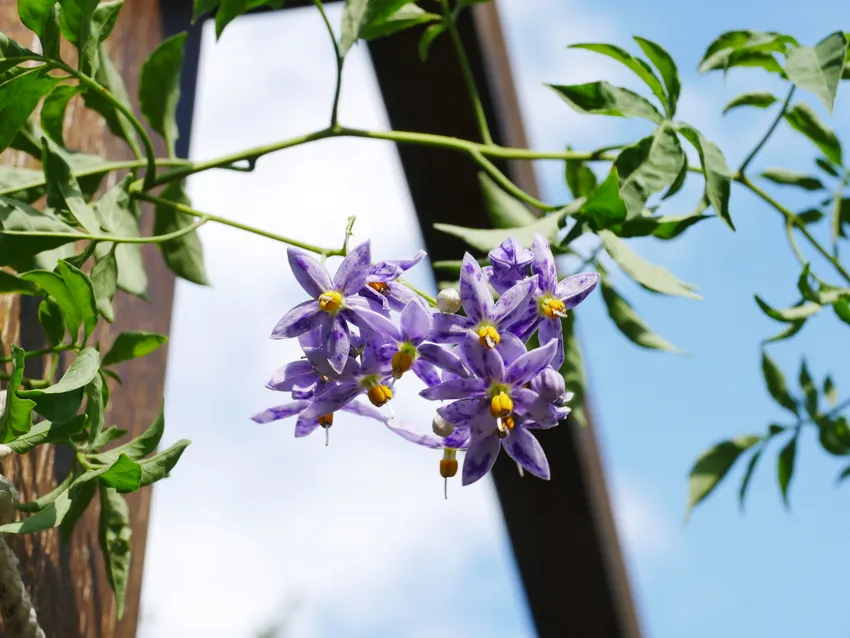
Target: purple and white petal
[
  {"x": 312, "y": 339},
  {"x": 303, "y": 427},
  {"x": 302, "y": 318},
  {"x": 444, "y": 358},
  {"x": 363, "y": 315},
  {"x": 523, "y": 448},
  {"x": 415, "y": 323},
  {"x": 304, "y": 393},
  {"x": 391, "y": 270},
  {"x": 409, "y": 434},
  {"x": 510, "y": 347},
  {"x": 450, "y": 328},
  {"x": 291, "y": 373},
  {"x": 543, "y": 264},
  {"x": 459, "y": 413},
  {"x": 335, "y": 342},
  {"x": 550, "y": 385},
  {"x": 426, "y": 372},
  {"x": 474, "y": 291},
  {"x": 364, "y": 409},
  {"x": 378, "y": 359},
  {"x": 352, "y": 272},
  {"x": 547, "y": 415},
  {"x": 530, "y": 364},
  {"x": 514, "y": 303},
  {"x": 552, "y": 330},
  {"x": 319, "y": 360},
  {"x": 574, "y": 289},
  {"x": 524, "y": 399},
  {"x": 374, "y": 296},
  {"x": 279, "y": 412},
  {"x": 457, "y": 440},
  {"x": 480, "y": 458},
  {"x": 332, "y": 400},
  {"x": 455, "y": 389},
  {"x": 407, "y": 264},
  {"x": 484, "y": 362},
  {"x": 482, "y": 424},
  {"x": 399, "y": 296},
  {"x": 312, "y": 276}
]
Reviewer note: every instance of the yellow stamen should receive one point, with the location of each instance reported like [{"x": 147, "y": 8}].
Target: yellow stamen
[
  {"x": 330, "y": 301},
  {"x": 401, "y": 363},
  {"x": 501, "y": 405},
  {"x": 554, "y": 308},
  {"x": 448, "y": 464},
  {"x": 379, "y": 286},
  {"x": 489, "y": 337},
  {"x": 327, "y": 420},
  {"x": 379, "y": 395}
]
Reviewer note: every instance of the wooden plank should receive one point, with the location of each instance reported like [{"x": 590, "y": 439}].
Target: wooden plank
[{"x": 67, "y": 582}]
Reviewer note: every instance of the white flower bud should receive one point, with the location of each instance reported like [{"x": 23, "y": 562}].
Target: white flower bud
[
  {"x": 441, "y": 427},
  {"x": 448, "y": 301}
]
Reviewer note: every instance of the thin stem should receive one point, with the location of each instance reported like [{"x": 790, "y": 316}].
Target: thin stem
[
  {"x": 187, "y": 210},
  {"x": 29, "y": 383},
  {"x": 155, "y": 239},
  {"x": 836, "y": 211},
  {"x": 789, "y": 231},
  {"x": 431, "y": 300},
  {"x": 769, "y": 132},
  {"x": 508, "y": 185},
  {"x": 37, "y": 353},
  {"x": 339, "y": 62},
  {"x": 466, "y": 71}
]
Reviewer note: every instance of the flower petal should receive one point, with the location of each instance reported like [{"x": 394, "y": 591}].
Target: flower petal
[
  {"x": 362, "y": 409},
  {"x": 514, "y": 303},
  {"x": 291, "y": 374},
  {"x": 351, "y": 274},
  {"x": 457, "y": 440},
  {"x": 426, "y": 372},
  {"x": 303, "y": 427},
  {"x": 335, "y": 340},
  {"x": 482, "y": 424},
  {"x": 480, "y": 458},
  {"x": 524, "y": 399},
  {"x": 386, "y": 271},
  {"x": 574, "y": 289},
  {"x": 312, "y": 276},
  {"x": 318, "y": 358},
  {"x": 302, "y": 318},
  {"x": 364, "y": 315},
  {"x": 312, "y": 339},
  {"x": 332, "y": 400},
  {"x": 415, "y": 323},
  {"x": 474, "y": 291},
  {"x": 419, "y": 438},
  {"x": 455, "y": 389},
  {"x": 374, "y": 296},
  {"x": 484, "y": 362},
  {"x": 523, "y": 448},
  {"x": 544, "y": 264},
  {"x": 399, "y": 295},
  {"x": 459, "y": 413},
  {"x": 530, "y": 364},
  {"x": 552, "y": 330},
  {"x": 280, "y": 412},
  {"x": 443, "y": 358},
  {"x": 510, "y": 347},
  {"x": 449, "y": 328}
]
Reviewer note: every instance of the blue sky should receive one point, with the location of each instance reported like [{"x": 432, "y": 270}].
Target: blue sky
[{"x": 357, "y": 534}]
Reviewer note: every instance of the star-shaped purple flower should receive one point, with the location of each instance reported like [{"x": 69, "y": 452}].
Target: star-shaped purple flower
[
  {"x": 510, "y": 261},
  {"x": 382, "y": 285}
]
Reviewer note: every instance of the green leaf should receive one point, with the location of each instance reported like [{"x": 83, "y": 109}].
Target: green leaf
[
  {"x": 789, "y": 315},
  {"x": 70, "y": 503},
  {"x": 638, "y": 66},
  {"x": 139, "y": 447},
  {"x": 202, "y": 7},
  {"x": 51, "y": 33},
  {"x": 116, "y": 212},
  {"x": 630, "y": 324},
  {"x": 16, "y": 413},
  {"x": 842, "y": 309},
  {"x": 645, "y": 273},
  {"x": 80, "y": 287},
  {"x": 110, "y": 78},
  {"x": 76, "y": 22},
  {"x": 758, "y": 99},
  {"x": 159, "y": 89},
  {"x": 132, "y": 345},
  {"x": 834, "y": 435},
  {"x": 713, "y": 465},
  {"x": 78, "y": 375},
  {"x": 11, "y": 284},
  {"x": 107, "y": 436},
  {"x": 649, "y": 167},
  {"x": 581, "y": 180},
  {"x": 844, "y": 474},
  {"x": 785, "y": 467},
  {"x": 810, "y": 391},
  {"x": 24, "y": 184},
  {"x": 406, "y": 17},
  {"x": 601, "y": 98},
  {"x": 664, "y": 227},
  {"x": 818, "y": 69},
  {"x": 811, "y": 216},
  {"x": 46, "y": 499},
  {"x": 718, "y": 177},
  {"x": 22, "y": 252},
  {"x": 97, "y": 396},
  {"x": 504, "y": 210},
  {"x": 667, "y": 68},
  {"x": 20, "y": 92},
  {"x": 829, "y": 390},
  {"x": 803, "y": 119},
  {"x": 114, "y": 536},
  {"x": 826, "y": 166},
  {"x": 229, "y": 10},
  {"x": 677, "y": 184},
  {"x": 775, "y": 381},
  {"x": 53, "y": 111},
  {"x": 33, "y": 13},
  {"x": 573, "y": 369},
  {"x": 428, "y": 36},
  {"x": 160, "y": 465},
  {"x": 63, "y": 190},
  {"x": 359, "y": 16},
  {"x": 792, "y": 178},
  {"x": 487, "y": 239},
  {"x": 124, "y": 475},
  {"x": 81, "y": 495},
  {"x": 184, "y": 255},
  {"x": 102, "y": 23},
  {"x": 51, "y": 320},
  {"x": 56, "y": 287},
  {"x": 787, "y": 333},
  {"x": 48, "y": 432},
  {"x": 748, "y": 475},
  {"x": 604, "y": 205},
  {"x": 104, "y": 280},
  {"x": 745, "y": 48}
]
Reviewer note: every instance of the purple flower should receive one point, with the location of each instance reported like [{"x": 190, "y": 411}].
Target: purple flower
[
  {"x": 335, "y": 304},
  {"x": 510, "y": 262},
  {"x": 552, "y": 299},
  {"x": 487, "y": 321},
  {"x": 307, "y": 425},
  {"x": 488, "y": 404},
  {"x": 382, "y": 287}
]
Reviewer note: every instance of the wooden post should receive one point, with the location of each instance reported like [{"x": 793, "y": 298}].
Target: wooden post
[{"x": 67, "y": 582}]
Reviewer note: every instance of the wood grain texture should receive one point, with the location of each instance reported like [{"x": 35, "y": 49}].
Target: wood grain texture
[{"x": 67, "y": 582}]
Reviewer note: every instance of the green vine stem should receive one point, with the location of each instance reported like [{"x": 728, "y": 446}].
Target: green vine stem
[{"x": 339, "y": 63}]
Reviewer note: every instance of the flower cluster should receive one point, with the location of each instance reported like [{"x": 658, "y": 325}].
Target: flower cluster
[{"x": 494, "y": 386}]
